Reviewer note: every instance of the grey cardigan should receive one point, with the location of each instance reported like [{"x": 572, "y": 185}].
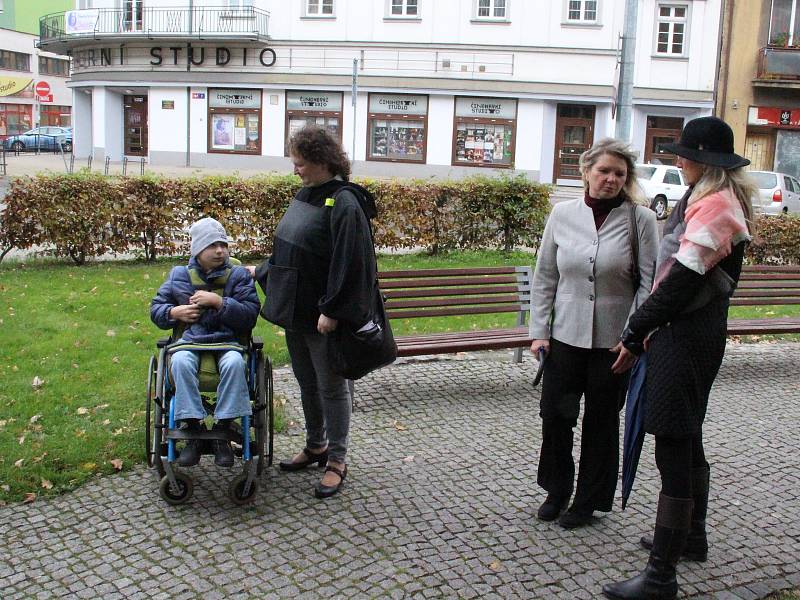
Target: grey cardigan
[{"x": 583, "y": 285}]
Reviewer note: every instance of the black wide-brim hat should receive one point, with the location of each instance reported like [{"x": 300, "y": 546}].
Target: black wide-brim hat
[{"x": 709, "y": 141}]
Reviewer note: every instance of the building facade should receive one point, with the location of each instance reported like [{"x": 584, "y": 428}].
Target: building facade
[
  {"x": 411, "y": 87},
  {"x": 759, "y": 88},
  {"x": 23, "y": 66}
]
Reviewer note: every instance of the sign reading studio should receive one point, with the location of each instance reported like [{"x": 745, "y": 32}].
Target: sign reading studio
[{"x": 171, "y": 57}]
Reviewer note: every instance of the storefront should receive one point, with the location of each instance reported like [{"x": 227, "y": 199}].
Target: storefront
[
  {"x": 773, "y": 139},
  {"x": 397, "y": 128},
  {"x": 57, "y": 115},
  {"x": 234, "y": 121},
  {"x": 484, "y": 132},
  {"x": 15, "y": 118},
  {"x": 314, "y": 108}
]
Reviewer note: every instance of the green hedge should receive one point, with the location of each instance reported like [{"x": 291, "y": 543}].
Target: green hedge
[{"x": 85, "y": 215}]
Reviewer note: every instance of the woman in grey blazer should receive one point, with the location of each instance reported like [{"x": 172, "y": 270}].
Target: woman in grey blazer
[{"x": 583, "y": 293}]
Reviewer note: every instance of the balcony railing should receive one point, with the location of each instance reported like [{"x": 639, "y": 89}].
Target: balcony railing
[
  {"x": 197, "y": 22},
  {"x": 779, "y": 63}
]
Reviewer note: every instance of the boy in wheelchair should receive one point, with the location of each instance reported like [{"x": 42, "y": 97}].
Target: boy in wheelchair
[{"x": 198, "y": 316}]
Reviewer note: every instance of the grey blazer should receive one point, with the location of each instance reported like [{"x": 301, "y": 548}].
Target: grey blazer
[{"x": 583, "y": 285}]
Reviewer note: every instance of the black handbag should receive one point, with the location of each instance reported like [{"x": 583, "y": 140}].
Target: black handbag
[{"x": 353, "y": 354}]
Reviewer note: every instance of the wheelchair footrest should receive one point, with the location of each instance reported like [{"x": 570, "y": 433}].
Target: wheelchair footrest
[{"x": 215, "y": 434}]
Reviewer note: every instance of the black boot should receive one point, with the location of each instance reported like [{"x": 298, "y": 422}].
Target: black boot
[
  {"x": 223, "y": 454},
  {"x": 190, "y": 455},
  {"x": 696, "y": 548},
  {"x": 658, "y": 581}
]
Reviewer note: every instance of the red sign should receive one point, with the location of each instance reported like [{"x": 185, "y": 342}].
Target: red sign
[
  {"x": 42, "y": 88},
  {"x": 777, "y": 117},
  {"x": 48, "y": 98}
]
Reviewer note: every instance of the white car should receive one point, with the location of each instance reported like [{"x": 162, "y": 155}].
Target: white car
[
  {"x": 778, "y": 192},
  {"x": 663, "y": 185}
]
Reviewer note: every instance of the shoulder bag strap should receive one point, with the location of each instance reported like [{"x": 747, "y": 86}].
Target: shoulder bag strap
[{"x": 633, "y": 237}]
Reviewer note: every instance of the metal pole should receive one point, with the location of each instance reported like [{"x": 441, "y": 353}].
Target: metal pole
[
  {"x": 355, "y": 95},
  {"x": 625, "y": 91}
]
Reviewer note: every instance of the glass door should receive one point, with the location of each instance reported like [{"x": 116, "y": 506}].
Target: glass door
[
  {"x": 135, "y": 125},
  {"x": 133, "y": 15},
  {"x": 574, "y": 135}
]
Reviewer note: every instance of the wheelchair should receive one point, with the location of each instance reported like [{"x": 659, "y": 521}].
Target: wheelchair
[{"x": 252, "y": 439}]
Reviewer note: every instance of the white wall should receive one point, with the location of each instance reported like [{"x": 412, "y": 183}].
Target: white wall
[
  {"x": 273, "y": 127},
  {"x": 198, "y": 128},
  {"x": 82, "y": 123},
  {"x": 167, "y": 127},
  {"x": 530, "y": 134},
  {"x": 440, "y": 130}
]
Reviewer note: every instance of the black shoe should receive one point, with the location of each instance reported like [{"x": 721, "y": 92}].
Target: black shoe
[
  {"x": 695, "y": 550},
  {"x": 190, "y": 455},
  {"x": 223, "y": 453},
  {"x": 326, "y": 491},
  {"x": 575, "y": 517},
  {"x": 310, "y": 458},
  {"x": 551, "y": 508}
]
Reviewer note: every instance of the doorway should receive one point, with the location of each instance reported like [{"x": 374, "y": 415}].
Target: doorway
[
  {"x": 660, "y": 131},
  {"x": 574, "y": 135},
  {"x": 759, "y": 147},
  {"x": 135, "y": 125}
]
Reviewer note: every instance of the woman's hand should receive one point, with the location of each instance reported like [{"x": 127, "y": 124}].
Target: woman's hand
[
  {"x": 538, "y": 345},
  {"x": 251, "y": 269},
  {"x": 625, "y": 360},
  {"x": 326, "y": 325}
]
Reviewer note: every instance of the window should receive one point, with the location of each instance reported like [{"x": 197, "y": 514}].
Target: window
[
  {"x": 397, "y": 127},
  {"x": 319, "y": 8},
  {"x": 582, "y": 11},
  {"x": 323, "y": 109},
  {"x": 14, "y": 119},
  {"x": 495, "y": 10},
  {"x": 671, "y": 23},
  {"x": 15, "y": 61},
  {"x": 52, "y": 114},
  {"x": 234, "y": 121},
  {"x": 485, "y": 129},
  {"x": 240, "y": 4},
  {"x": 53, "y": 66},
  {"x": 784, "y": 26},
  {"x": 671, "y": 177},
  {"x": 404, "y": 8}
]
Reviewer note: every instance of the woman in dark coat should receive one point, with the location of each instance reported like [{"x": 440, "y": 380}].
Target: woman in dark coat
[
  {"x": 683, "y": 327},
  {"x": 320, "y": 276}
]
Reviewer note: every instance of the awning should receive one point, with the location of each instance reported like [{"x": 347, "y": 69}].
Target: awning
[{"x": 9, "y": 86}]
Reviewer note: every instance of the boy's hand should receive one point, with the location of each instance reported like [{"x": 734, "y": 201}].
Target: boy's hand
[
  {"x": 252, "y": 270},
  {"x": 206, "y": 299},
  {"x": 186, "y": 313}
]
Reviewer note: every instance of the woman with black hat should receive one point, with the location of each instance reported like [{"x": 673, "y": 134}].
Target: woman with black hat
[{"x": 683, "y": 326}]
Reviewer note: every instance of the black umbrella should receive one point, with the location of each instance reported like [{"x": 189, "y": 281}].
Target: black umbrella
[
  {"x": 634, "y": 426},
  {"x": 542, "y": 355}
]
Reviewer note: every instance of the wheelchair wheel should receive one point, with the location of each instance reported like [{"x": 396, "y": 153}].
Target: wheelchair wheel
[
  {"x": 149, "y": 418},
  {"x": 236, "y": 490},
  {"x": 179, "y": 496}
]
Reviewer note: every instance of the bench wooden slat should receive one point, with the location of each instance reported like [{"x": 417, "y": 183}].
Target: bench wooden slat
[
  {"x": 454, "y": 311},
  {"x": 764, "y": 301},
  {"x": 466, "y": 291},
  {"x": 445, "y": 282},
  {"x": 762, "y": 326},
  {"x": 470, "y": 271},
  {"x": 453, "y": 302}
]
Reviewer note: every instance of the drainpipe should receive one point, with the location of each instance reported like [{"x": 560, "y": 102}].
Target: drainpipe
[
  {"x": 625, "y": 91},
  {"x": 188, "y": 125},
  {"x": 724, "y": 66}
]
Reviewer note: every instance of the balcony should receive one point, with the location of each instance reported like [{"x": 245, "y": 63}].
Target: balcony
[
  {"x": 778, "y": 66},
  {"x": 58, "y": 32}
]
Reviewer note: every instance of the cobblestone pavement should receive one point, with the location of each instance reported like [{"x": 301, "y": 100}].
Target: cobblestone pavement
[{"x": 439, "y": 503}]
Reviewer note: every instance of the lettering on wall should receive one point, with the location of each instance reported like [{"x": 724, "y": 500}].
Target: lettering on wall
[{"x": 189, "y": 56}]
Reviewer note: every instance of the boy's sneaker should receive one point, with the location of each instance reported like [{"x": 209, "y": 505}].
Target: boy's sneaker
[
  {"x": 223, "y": 453},
  {"x": 190, "y": 455}
]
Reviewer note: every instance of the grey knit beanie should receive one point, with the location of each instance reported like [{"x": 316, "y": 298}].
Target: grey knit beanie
[{"x": 206, "y": 232}]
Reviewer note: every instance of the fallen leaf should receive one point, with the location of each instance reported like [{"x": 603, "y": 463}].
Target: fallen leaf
[
  {"x": 101, "y": 406},
  {"x": 5, "y": 487},
  {"x": 21, "y": 439},
  {"x": 116, "y": 463},
  {"x": 38, "y": 459},
  {"x": 408, "y": 459},
  {"x": 15, "y": 368},
  {"x": 18, "y": 464},
  {"x": 47, "y": 484},
  {"x": 115, "y": 359},
  {"x": 93, "y": 290},
  {"x": 146, "y": 276},
  {"x": 3, "y": 422},
  {"x": 35, "y": 418},
  {"x": 74, "y": 365},
  {"x": 399, "y": 426},
  {"x": 116, "y": 432},
  {"x": 37, "y": 382},
  {"x": 496, "y": 566},
  {"x": 107, "y": 422},
  {"x": 82, "y": 410},
  {"x": 111, "y": 333},
  {"x": 89, "y": 466},
  {"x": 29, "y": 497}
]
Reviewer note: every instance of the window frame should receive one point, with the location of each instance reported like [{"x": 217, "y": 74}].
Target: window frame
[
  {"x": 791, "y": 39},
  {"x": 389, "y": 16},
  {"x": 477, "y": 18},
  {"x": 581, "y": 22},
  {"x": 212, "y": 111},
  {"x": 15, "y": 57},
  {"x": 485, "y": 121},
  {"x": 686, "y": 20},
  {"x": 372, "y": 117},
  {"x": 307, "y": 14},
  {"x": 54, "y": 73}
]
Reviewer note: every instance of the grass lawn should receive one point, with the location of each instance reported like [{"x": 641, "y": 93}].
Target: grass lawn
[{"x": 73, "y": 361}]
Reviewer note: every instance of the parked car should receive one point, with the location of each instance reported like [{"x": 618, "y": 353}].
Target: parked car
[
  {"x": 778, "y": 192},
  {"x": 663, "y": 185},
  {"x": 44, "y": 138}
]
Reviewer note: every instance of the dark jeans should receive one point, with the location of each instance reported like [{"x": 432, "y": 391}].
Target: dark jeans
[
  {"x": 675, "y": 459},
  {"x": 569, "y": 374},
  {"x": 325, "y": 396}
]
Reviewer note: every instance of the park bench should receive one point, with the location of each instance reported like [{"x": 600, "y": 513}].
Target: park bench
[
  {"x": 452, "y": 292},
  {"x": 767, "y": 285}
]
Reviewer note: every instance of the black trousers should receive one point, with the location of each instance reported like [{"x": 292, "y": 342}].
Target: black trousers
[
  {"x": 569, "y": 374},
  {"x": 675, "y": 459}
]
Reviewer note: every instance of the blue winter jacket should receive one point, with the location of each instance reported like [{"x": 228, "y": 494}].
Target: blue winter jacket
[{"x": 237, "y": 317}]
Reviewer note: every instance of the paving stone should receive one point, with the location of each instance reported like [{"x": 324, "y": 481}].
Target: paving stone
[{"x": 455, "y": 521}]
